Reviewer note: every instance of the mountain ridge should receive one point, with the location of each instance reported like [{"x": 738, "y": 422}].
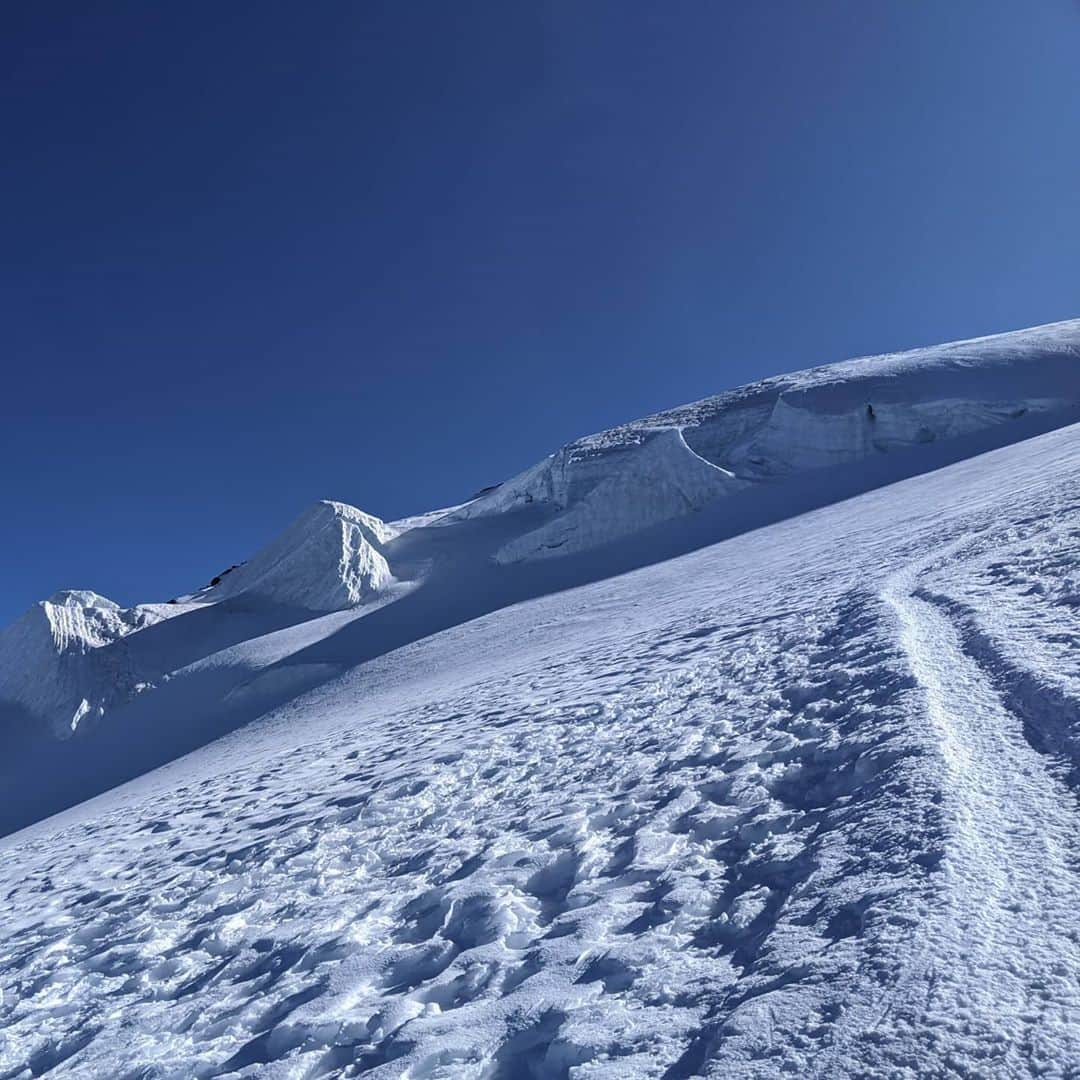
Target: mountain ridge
[{"x": 339, "y": 585}]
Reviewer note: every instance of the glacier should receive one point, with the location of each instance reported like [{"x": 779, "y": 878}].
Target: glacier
[{"x": 738, "y": 741}]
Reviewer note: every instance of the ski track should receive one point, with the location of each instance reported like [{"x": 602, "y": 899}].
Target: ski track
[{"x": 820, "y": 828}]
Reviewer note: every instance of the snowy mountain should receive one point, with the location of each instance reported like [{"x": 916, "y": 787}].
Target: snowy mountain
[
  {"x": 855, "y": 425},
  {"x": 739, "y": 741},
  {"x": 331, "y": 557},
  {"x": 65, "y": 659}
]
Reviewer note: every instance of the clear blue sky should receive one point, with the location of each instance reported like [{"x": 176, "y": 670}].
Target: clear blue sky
[{"x": 256, "y": 254}]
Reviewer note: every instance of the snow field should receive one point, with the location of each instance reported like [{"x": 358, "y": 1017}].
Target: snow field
[
  {"x": 697, "y": 821},
  {"x": 797, "y": 796}
]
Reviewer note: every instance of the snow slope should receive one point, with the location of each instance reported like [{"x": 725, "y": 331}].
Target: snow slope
[
  {"x": 754, "y": 811},
  {"x": 685, "y": 753},
  {"x": 605, "y": 503}
]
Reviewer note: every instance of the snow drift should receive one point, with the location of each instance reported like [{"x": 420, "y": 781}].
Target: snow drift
[{"x": 69, "y": 660}]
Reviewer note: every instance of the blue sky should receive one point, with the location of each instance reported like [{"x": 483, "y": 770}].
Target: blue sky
[{"x": 259, "y": 254}]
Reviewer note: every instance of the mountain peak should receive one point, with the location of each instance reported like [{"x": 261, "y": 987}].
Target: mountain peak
[{"x": 330, "y": 557}]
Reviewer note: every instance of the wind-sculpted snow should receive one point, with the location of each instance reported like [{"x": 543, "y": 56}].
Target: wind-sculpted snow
[
  {"x": 830, "y": 416},
  {"x": 65, "y": 657},
  {"x": 800, "y": 803},
  {"x": 331, "y": 557},
  {"x": 76, "y": 657},
  {"x": 659, "y": 760},
  {"x": 664, "y": 479}
]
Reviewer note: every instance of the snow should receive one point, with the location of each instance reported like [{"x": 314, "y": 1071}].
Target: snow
[
  {"x": 854, "y": 425},
  {"x": 70, "y": 657},
  {"x": 56, "y": 653},
  {"x": 747, "y": 747},
  {"x": 830, "y": 416},
  {"x": 331, "y": 557},
  {"x": 676, "y": 481}
]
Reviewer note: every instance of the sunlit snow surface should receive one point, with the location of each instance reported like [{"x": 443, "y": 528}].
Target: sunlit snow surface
[
  {"x": 798, "y": 804},
  {"x": 92, "y": 694}
]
